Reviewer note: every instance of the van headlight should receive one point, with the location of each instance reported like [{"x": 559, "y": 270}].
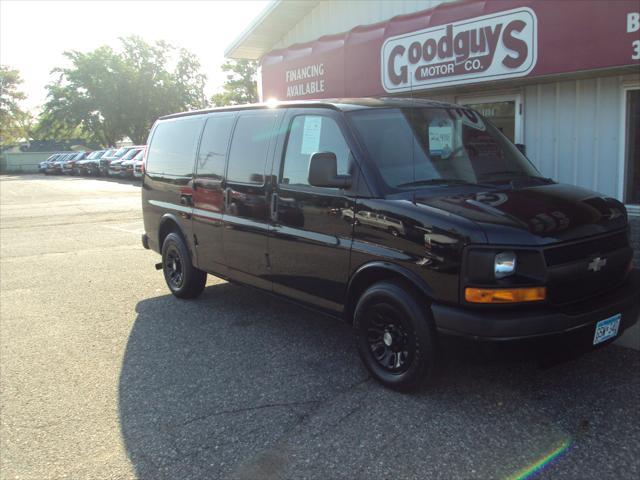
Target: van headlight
[{"x": 504, "y": 264}]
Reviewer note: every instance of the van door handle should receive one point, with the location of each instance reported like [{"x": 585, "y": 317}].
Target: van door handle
[
  {"x": 186, "y": 199},
  {"x": 274, "y": 207},
  {"x": 225, "y": 199}
]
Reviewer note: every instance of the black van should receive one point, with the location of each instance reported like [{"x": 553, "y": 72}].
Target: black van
[{"x": 408, "y": 218}]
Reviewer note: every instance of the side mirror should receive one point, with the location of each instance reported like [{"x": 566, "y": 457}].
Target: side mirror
[{"x": 323, "y": 171}]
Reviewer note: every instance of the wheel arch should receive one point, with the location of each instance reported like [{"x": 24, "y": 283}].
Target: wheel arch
[
  {"x": 373, "y": 272},
  {"x": 170, "y": 223}
]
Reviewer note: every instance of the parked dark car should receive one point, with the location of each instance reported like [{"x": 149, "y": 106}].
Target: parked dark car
[
  {"x": 89, "y": 165},
  {"x": 138, "y": 164},
  {"x": 454, "y": 233},
  {"x": 69, "y": 166},
  {"x": 105, "y": 161},
  {"x": 42, "y": 166},
  {"x": 127, "y": 166},
  {"x": 56, "y": 166},
  {"x": 116, "y": 166}
]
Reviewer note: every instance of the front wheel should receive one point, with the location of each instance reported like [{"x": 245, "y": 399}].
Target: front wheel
[
  {"x": 183, "y": 279},
  {"x": 395, "y": 335}
]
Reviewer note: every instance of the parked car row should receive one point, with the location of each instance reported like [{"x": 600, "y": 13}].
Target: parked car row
[{"x": 115, "y": 162}]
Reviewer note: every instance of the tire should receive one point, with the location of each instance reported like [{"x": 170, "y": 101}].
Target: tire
[
  {"x": 183, "y": 279},
  {"x": 395, "y": 336}
]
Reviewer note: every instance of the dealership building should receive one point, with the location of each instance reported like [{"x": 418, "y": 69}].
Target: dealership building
[{"x": 562, "y": 78}]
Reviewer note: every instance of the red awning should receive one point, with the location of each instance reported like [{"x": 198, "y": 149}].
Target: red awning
[{"x": 458, "y": 43}]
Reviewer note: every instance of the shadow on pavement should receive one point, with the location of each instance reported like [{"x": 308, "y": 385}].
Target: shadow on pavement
[{"x": 237, "y": 384}]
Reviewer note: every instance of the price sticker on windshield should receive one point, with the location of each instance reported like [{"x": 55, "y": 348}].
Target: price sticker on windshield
[
  {"x": 440, "y": 138},
  {"x": 311, "y": 135}
]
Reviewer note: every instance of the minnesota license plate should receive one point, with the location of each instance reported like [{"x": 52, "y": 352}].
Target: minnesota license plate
[{"x": 607, "y": 328}]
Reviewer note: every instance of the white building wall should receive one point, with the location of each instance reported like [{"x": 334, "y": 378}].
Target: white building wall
[
  {"x": 572, "y": 130},
  {"x": 337, "y": 16},
  {"x": 572, "y": 127}
]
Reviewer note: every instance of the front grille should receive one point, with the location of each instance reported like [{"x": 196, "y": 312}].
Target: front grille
[
  {"x": 580, "y": 250},
  {"x": 570, "y": 278}
]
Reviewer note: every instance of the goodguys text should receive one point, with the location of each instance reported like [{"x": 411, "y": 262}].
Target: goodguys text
[{"x": 498, "y": 45}]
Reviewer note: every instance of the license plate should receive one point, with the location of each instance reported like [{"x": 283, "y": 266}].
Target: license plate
[{"x": 606, "y": 329}]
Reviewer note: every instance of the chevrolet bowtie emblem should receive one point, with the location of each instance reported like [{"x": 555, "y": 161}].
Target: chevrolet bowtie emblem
[{"x": 596, "y": 264}]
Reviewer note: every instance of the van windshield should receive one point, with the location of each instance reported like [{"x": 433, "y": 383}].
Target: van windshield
[{"x": 414, "y": 147}]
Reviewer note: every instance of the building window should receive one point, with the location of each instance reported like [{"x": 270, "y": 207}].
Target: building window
[
  {"x": 504, "y": 111},
  {"x": 632, "y": 160}
]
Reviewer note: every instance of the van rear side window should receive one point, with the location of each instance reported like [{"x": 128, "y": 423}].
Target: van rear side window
[
  {"x": 213, "y": 146},
  {"x": 250, "y": 146},
  {"x": 172, "y": 148}
]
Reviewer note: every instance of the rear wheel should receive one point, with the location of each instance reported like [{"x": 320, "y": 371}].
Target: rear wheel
[
  {"x": 395, "y": 336},
  {"x": 183, "y": 279}
]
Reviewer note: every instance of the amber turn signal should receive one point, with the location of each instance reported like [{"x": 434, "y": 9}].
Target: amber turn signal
[{"x": 504, "y": 295}]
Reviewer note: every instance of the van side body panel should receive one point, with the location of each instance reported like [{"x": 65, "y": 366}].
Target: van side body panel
[
  {"x": 166, "y": 192},
  {"x": 421, "y": 240},
  {"x": 310, "y": 241},
  {"x": 246, "y": 219},
  {"x": 208, "y": 191}
]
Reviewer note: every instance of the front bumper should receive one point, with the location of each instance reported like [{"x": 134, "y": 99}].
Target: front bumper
[
  {"x": 89, "y": 167},
  {"x": 541, "y": 321}
]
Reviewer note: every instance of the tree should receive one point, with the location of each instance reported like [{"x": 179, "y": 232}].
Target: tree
[
  {"x": 241, "y": 85},
  {"x": 106, "y": 95},
  {"x": 14, "y": 122}
]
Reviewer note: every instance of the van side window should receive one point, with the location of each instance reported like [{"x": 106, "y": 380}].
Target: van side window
[
  {"x": 172, "y": 148},
  {"x": 213, "y": 146},
  {"x": 250, "y": 146},
  {"x": 310, "y": 134}
]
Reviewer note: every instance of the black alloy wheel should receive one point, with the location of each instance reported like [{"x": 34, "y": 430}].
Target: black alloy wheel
[
  {"x": 395, "y": 335},
  {"x": 389, "y": 341},
  {"x": 173, "y": 267},
  {"x": 183, "y": 279}
]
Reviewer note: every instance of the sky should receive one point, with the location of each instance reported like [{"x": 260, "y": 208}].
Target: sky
[{"x": 33, "y": 34}]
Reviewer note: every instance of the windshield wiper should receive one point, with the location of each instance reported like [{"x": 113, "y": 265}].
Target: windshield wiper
[
  {"x": 435, "y": 181},
  {"x": 444, "y": 181},
  {"x": 513, "y": 173}
]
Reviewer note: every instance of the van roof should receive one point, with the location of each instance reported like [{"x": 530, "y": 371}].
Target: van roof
[{"x": 340, "y": 104}]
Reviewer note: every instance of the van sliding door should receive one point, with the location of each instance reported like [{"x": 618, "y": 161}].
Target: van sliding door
[
  {"x": 246, "y": 197},
  {"x": 208, "y": 191}
]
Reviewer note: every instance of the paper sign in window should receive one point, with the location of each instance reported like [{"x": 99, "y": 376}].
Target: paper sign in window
[
  {"x": 440, "y": 139},
  {"x": 311, "y": 135}
]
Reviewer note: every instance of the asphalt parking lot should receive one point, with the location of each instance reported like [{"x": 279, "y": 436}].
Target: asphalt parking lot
[{"x": 104, "y": 375}]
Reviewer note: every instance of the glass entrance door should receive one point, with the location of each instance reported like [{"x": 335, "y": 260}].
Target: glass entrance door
[
  {"x": 632, "y": 148},
  {"x": 504, "y": 111}
]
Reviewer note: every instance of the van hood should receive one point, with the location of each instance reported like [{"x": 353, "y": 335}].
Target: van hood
[{"x": 537, "y": 215}]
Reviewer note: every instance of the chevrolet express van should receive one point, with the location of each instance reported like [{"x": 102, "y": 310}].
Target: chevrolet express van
[{"x": 410, "y": 219}]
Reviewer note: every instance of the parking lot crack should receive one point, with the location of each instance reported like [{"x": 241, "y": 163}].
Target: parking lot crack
[{"x": 241, "y": 410}]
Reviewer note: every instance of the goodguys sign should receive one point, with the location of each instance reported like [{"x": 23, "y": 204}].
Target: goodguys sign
[
  {"x": 497, "y": 46},
  {"x": 454, "y": 43}
]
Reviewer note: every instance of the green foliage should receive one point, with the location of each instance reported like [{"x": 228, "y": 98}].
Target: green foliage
[
  {"x": 241, "y": 86},
  {"x": 14, "y": 122},
  {"x": 106, "y": 95}
]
